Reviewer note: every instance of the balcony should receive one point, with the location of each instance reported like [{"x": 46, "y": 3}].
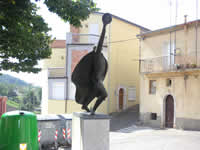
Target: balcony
[
  {"x": 74, "y": 38},
  {"x": 59, "y": 72},
  {"x": 173, "y": 63}
]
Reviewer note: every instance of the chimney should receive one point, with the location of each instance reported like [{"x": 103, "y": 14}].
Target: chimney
[
  {"x": 75, "y": 34},
  {"x": 74, "y": 29},
  {"x": 185, "y": 16}
]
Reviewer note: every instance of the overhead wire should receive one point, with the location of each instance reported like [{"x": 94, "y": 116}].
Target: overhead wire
[{"x": 120, "y": 41}]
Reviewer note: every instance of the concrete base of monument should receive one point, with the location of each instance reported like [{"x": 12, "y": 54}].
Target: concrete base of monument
[{"x": 90, "y": 132}]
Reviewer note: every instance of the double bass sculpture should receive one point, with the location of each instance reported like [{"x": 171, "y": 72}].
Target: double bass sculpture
[{"x": 90, "y": 72}]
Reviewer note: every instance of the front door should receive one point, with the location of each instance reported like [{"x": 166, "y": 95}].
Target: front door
[
  {"x": 169, "y": 114},
  {"x": 121, "y": 98}
]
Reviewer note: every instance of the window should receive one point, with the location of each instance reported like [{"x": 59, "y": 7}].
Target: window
[
  {"x": 153, "y": 116},
  {"x": 93, "y": 30},
  {"x": 168, "y": 82},
  {"x": 132, "y": 93},
  {"x": 152, "y": 87},
  {"x": 58, "y": 90}
]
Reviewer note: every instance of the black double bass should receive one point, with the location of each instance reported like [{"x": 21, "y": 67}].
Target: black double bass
[{"x": 90, "y": 72}]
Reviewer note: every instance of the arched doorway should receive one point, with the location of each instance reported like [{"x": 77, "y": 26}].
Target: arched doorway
[
  {"x": 169, "y": 112},
  {"x": 121, "y": 98}
]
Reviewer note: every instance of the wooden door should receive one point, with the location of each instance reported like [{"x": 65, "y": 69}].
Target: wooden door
[
  {"x": 169, "y": 114},
  {"x": 121, "y": 98}
]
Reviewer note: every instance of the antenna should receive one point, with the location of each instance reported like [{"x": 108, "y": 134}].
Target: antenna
[
  {"x": 170, "y": 5},
  {"x": 176, "y": 12},
  {"x": 197, "y": 9}
]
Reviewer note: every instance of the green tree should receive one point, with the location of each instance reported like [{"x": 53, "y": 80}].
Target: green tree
[
  {"x": 30, "y": 99},
  {"x": 24, "y": 35},
  {"x": 12, "y": 94},
  {"x": 3, "y": 89},
  {"x": 38, "y": 94}
]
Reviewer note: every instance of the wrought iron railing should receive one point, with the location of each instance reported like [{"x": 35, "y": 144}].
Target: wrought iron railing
[{"x": 170, "y": 63}]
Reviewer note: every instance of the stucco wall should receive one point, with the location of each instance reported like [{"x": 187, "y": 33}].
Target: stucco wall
[
  {"x": 72, "y": 106},
  {"x": 56, "y": 106},
  {"x": 184, "y": 88},
  {"x": 185, "y": 93},
  {"x": 57, "y": 59},
  {"x": 152, "y": 47},
  {"x": 123, "y": 63},
  {"x": 94, "y": 19}
]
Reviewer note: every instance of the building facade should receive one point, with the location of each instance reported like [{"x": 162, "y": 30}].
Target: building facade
[
  {"x": 170, "y": 77},
  {"x": 121, "y": 49}
]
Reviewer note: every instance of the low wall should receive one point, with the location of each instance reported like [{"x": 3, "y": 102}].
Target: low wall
[
  {"x": 146, "y": 120},
  {"x": 48, "y": 124},
  {"x": 180, "y": 123}
]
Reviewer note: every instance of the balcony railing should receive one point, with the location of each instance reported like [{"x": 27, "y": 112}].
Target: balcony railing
[
  {"x": 75, "y": 38},
  {"x": 57, "y": 72},
  {"x": 170, "y": 63}
]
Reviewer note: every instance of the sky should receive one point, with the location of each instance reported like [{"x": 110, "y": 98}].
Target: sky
[{"x": 152, "y": 14}]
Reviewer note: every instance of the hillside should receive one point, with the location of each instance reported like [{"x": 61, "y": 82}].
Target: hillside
[
  {"x": 5, "y": 78},
  {"x": 21, "y": 95}
]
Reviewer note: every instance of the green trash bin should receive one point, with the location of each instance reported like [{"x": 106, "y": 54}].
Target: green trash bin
[{"x": 18, "y": 131}]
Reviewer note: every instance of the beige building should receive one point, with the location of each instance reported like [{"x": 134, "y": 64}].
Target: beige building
[
  {"x": 170, "y": 76},
  {"x": 121, "y": 49}
]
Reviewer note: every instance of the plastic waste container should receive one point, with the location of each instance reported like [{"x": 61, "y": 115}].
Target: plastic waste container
[{"x": 18, "y": 131}]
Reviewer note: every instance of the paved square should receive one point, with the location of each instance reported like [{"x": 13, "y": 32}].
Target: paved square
[{"x": 141, "y": 138}]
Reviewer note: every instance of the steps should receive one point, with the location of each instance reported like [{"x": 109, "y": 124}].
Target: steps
[{"x": 124, "y": 119}]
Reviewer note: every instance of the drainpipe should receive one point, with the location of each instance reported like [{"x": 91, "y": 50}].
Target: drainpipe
[
  {"x": 140, "y": 52},
  {"x": 196, "y": 27},
  {"x": 66, "y": 68},
  {"x": 186, "y": 61},
  {"x": 170, "y": 44},
  {"x": 68, "y": 41},
  {"x": 196, "y": 42},
  {"x": 185, "y": 33},
  {"x": 109, "y": 60},
  {"x": 196, "y": 30}
]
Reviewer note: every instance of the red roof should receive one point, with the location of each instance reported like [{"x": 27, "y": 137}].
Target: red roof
[{"x": 58, "y": 44}]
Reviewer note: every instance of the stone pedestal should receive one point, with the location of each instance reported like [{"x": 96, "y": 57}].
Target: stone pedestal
[{"x": 90, "y": 132}]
